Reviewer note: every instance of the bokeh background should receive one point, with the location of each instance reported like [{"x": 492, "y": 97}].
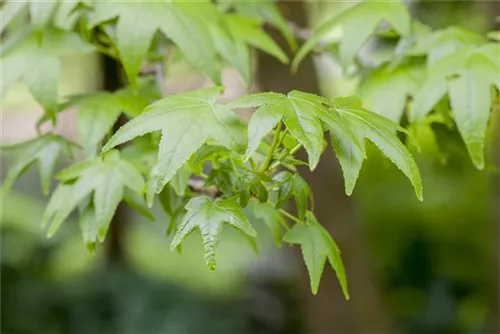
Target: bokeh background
[{"x": 412, "y": 267}]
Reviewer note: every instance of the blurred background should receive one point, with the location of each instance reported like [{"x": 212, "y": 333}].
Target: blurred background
[{"x": 412, "y": 267}]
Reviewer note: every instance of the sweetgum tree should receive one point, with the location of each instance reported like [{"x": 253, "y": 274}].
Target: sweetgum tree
[{"x": 193, "y": 153}]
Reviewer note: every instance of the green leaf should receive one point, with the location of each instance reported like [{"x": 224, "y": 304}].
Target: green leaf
[
  {"x": 381, "y": 132},
  {"x": 209, "y": 217},
  {"x": 444, "y": 42},
  {"x": 96, "y": 116},
  {"x": 37, "y": 64},
  {"x": 45, "y": 150},
  {"x": 41, "y": 12},
  {"x": 266, "y": 10},
  {"x": 271, "y": 217},
  {"x": 250, "y": 31},
  {"x": 468, "y": 78},
  {"x": 349, "y": 124},
  {"x": 357, "y": 24},
  {"x": 9, "y": 11},
  {"x": 317, "y": 246},
  {"x": 103, "y": 177},
  {"x": 263, "y": 120},
  {"x": 470, "y": 97},
  {"x": 187, "y": 121},
  {"x": 181, "y": 179},
  {"x": 138, "y": 22},
  {"x": 386, "y": 90},
  {"x": 291, "y": 184},
  {"x": 88, "y": 228}
]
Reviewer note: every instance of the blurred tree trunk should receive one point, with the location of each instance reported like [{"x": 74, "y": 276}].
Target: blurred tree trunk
[
  {"x": 328, "y": 312},
  {"x": 112, "y": 81}
]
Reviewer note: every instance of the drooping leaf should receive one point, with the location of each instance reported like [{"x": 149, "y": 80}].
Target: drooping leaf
[
  {"x": 45, "y": 151},
  {"x": 104, "y": 178},
  {"x": 357, "y": 24},
  {"x": 209, "y": 217},
  {"x": 36, "y": 63},
  {"x": 187, "y": 121},
  {"x": 317, "y": 246},
  {"x": 468, "y": 78}
]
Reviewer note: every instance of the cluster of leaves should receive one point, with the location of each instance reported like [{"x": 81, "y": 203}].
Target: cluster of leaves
[
  {"x": 195, "y": 154},
  {"x": 452, "y": 73}
]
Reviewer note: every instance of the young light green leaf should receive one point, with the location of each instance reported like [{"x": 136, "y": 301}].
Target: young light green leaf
[
  {"x": 36, "y": 63},
  {"x": 103, "y": 177},
  {"x": 209, "y": 217},
  {"x": 317, "y": 246},
  {"x": 45, "y": 150},
  {"x": 191, "y": 119},
  {"x": 357, "y": 24}
]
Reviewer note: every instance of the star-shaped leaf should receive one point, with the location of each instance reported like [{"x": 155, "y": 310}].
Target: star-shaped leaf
[
  {"x": 187, "y": 121},
  {"x": 36, "y": 63},
  {"x": 467, "y": 77},
  {"x": 209, "y": 217},
  {"x": 139, "y": 21},
  {"x": 305, "y": 116},
  {"x": 105, "y": 179},
  {"x": 357, "y": 24},
  {"x": 386, "y": 90},
  {"x": 317, "y": 246},
  {"x": 45, "y": 150}
]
